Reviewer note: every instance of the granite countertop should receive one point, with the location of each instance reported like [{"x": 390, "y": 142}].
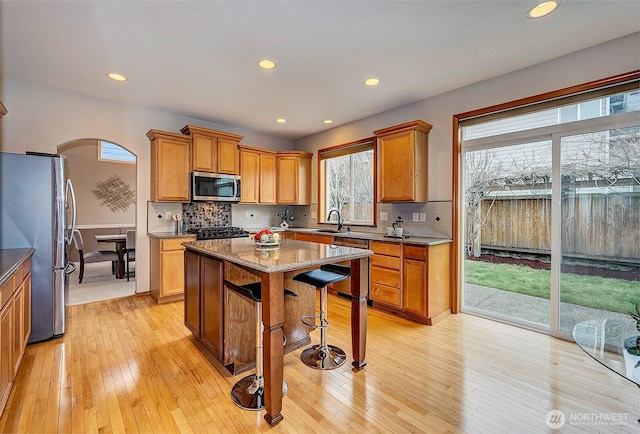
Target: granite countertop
[
  {"x": 288, "y": 256},
  {"x": 169, "y": 235},
  {"x": 10, "y": 260},
  {"x": 424, "y": 241}
]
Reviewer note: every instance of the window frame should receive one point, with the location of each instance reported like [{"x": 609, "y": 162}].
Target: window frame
[
  {"x": 356, "y": 146},
  {"x": 114, "y": 160}
]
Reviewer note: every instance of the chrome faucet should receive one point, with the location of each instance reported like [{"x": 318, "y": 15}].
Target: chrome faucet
[{"x": 340, "y": 222}]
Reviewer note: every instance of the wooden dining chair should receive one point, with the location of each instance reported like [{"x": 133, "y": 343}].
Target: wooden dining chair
[
  {"x": 91, "y": 257},
  {"x": 130, "y": 249}
]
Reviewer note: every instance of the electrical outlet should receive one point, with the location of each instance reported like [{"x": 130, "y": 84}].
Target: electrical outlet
[
  {"x": 423, "y": 216},
  {"x": 247, "y": 214},
  {"x": 415, "y": 217},
  {"x": 314, "y": 215},
  {"x": 384, "y": 216},
  {"x": 167, "y": 215}
]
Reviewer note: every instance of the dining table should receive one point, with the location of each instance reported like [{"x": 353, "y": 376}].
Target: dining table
[
  {"x": 120, "y": 241},
  {"x": 270, "y": 266}
]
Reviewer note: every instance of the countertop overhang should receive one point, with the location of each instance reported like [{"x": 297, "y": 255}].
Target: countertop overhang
[{"x": 10, "y": 260}]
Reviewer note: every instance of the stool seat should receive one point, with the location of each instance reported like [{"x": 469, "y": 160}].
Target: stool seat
[
  {"x": 254, "y": 290},
  {"x": 326, "y": 274}
]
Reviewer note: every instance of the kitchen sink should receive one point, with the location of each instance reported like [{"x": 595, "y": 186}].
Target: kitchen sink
[{"x": 328, "y": 231}]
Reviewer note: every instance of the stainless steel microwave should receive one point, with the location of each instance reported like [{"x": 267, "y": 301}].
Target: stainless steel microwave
[{"x": 215, "y": 187}]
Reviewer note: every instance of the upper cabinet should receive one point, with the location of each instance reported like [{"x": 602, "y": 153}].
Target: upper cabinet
[
  {"x": 258, "y": 175},
  {"x": 169, "y": 166},
  {"x": 294, "y": 178},
  {"x": 403, "y": 162},
  {"x": 213, "y": 151}
]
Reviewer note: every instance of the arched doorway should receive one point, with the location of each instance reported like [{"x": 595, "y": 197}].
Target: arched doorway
[{"x": 104, "y": 177}]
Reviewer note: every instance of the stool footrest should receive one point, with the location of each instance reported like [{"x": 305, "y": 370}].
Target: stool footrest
[{"x": 324, "y": 324}]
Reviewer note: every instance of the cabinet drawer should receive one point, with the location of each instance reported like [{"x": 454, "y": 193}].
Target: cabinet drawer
[
  {"x": 22, "y": 271},
  {"x": 385, "y": 294},
  {"x": 6, "y": 291},
  {"x": 385, "y": 261},
  {"x": 324, "y": 239},
  {"x": 389, "y": 249},
  {"x": 385, "y": 277},
  {"x": 173, "y": 244},
  {"x": 303, "y": 236},
  {"x": 415, "y": 252}
]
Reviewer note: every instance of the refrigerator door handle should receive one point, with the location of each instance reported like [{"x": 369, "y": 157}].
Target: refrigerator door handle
[{"x": 73, "y": 215}]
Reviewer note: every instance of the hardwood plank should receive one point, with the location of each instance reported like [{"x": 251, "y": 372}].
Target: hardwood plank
[{"x": 130, "y": 365}]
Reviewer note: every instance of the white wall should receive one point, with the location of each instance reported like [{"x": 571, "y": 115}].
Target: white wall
[
  {"x": 41, "y": 118},
  {"x": 86, "y": 171},
  {"x": 612, "y": 58}
]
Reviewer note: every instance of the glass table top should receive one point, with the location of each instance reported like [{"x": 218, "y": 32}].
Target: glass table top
[{"x": 613, "y": 343}]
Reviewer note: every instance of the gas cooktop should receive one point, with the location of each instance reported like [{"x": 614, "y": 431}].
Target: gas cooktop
[{"x": 218, "y": 232}]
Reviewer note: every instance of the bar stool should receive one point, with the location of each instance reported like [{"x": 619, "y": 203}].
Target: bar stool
[
  {"x": 323, "y": 356},
  {"x": 248, "y": 393}
]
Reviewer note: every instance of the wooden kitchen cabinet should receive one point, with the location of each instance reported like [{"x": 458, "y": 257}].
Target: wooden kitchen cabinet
[
  {"x": 223, "y": 321},
  {"x": 258, "y": 175},
  {"x": 6, "y": 349},
  {"x": 212, "y": 306},
  {"x": 204, "y": 301},
  {"x": 170, "y": 167},
  {"x": 411, "y": 280},
  {"x": 166, "y": 281},
  {"x": 426, "y": 282},
  {"x": 15, "y": 326},
  {"x": 192, "y": 293},
  {"x": 385, "y": 273},
  {"x": 213, "y": 151},
  {"x": 303, "y": 236},
  {"x": 322, "y": 238},
  {"x": 403, "y": 162},
  {"x": 294, "y": 178}
]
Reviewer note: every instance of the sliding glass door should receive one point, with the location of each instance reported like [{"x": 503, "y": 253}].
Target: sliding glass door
[
  {"x": 599, "y": 225},
  {"x": 551, "y": 219},
  {"x": 508, "y": 239}
]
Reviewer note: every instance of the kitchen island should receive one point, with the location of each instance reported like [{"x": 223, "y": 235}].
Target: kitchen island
[{"x": 220, "y": 260}]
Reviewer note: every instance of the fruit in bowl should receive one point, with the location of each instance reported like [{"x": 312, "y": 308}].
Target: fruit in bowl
[{"x": 267, "y": 236}]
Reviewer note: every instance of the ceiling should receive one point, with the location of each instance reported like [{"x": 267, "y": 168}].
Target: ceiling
[{"x": 198, "y": 58}]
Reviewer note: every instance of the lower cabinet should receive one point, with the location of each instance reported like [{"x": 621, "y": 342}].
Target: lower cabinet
[
  {"x": 15, "y": 326},
  {"x": 385, "y": 274},
  {"x": 223, "y": 321},
  {"x": 167, "y": 268},
  {"x": 212, "y": 308},
  {"x": 411, "y": 280}
]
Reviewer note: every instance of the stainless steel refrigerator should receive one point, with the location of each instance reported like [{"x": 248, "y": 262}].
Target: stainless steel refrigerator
[{"x": 37, "y": 209}]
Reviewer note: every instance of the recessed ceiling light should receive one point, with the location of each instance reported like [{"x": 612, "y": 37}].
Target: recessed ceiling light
[
  {"x": 543, "y": 9},
  {"x": 371, "y": 82},
  {"x": 267, "y": 64},
  {"x": 281, "y": 121},
  {"x": 117, "y": 77},
  {"x": 327, "y": 121}
]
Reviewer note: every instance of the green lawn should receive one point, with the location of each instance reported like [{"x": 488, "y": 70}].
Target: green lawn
[{"x": 614, "y": 295}]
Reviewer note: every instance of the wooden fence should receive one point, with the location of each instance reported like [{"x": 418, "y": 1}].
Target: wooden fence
[{"x": 593, "y": 226}]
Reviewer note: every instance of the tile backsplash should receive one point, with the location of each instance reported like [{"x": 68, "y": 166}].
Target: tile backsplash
[{"x": 196, "y": 215}]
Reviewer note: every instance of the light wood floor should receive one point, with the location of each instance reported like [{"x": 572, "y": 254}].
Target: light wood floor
[{"x": 130, "y": 365}]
